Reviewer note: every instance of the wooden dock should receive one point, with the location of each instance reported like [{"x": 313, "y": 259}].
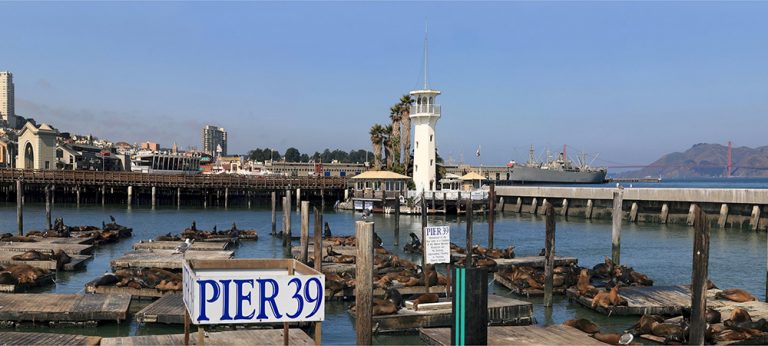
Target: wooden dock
[
  {"x": 517, "y": 335},
  {"x": 344, "y": 250},
  {"x": 527, "y": 292},
  {"x": 527, "y": 261},
  {"x": 133, "y": 292},
  {"x": 52, "y": 245},
  {"x": 165, "y": 259},
  {"x": 172, "y": 245},
  {"x": 77, "y": 262},
  {"x": 501, "y": 311},
  {"x": 19, "y": 338},
  {"x": 236, "y": 337},
  {"x": 378, "y": 292},
  {"x": 42, "y": 280},
  {"x": 169, "y": 310},
  {"x": 40, "y": 307}
]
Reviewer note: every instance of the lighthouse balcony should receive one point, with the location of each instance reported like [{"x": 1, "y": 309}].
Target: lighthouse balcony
[{"x": 425, "y": 108}]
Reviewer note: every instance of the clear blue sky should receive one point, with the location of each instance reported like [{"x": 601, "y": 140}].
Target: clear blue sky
[{"x": 628, "y": 80}]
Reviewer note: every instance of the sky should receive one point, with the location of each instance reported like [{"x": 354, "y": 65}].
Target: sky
[{"x": 628, "y": 81}]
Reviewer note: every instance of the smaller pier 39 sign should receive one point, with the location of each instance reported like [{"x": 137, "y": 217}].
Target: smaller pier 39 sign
[{"x": 241, "y": 296}]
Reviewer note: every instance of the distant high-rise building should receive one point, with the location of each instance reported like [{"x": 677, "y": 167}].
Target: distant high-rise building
[
  {"x": 7, "y": 111},
  {"x": 215, "y": 140}
]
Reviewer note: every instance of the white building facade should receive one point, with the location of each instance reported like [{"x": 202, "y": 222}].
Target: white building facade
[{"x": 424, "y": 115}]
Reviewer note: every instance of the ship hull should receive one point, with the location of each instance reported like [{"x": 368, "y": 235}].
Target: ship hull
[{"x": 532, "y": 175}]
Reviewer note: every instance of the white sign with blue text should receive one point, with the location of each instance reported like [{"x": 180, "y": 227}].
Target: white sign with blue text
[
  {"x": 437, "y": 241},
  {"x": 252, "y": 296}
]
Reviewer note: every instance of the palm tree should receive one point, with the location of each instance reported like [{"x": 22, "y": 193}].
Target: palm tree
[
  {"x": 405, "y": 110},
  {"x": 395, "y": 115},
  {"x": 386, "y": 135},
  {"x": 376, "y": 141}
]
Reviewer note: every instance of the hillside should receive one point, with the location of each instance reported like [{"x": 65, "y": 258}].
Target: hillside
[{"x": 707, "y": 160}]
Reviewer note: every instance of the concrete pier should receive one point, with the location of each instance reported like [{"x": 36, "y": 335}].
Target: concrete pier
[{"x": 735, "y": 208}]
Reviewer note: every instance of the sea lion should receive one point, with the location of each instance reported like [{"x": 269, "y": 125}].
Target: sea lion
[
  {"x": 645, "y": 324},
  {"x": 383, "y": 307},
  {"x": 735, "y": 294},
  {"x": 673, "y": 331},
  {"x": 108, "y": 279},
  {"x": 738, "y": 315},
  {"x": 712, "y": 316},
  {"x": 583, "y": 284},
  {"x": 7, "y": 278},
  {"x": 583, "y": 325},
  {"x": 394, "y": 296},
  {"x": 425, "y": 298},
  {"x": 608, "y": 338},
  {"x": 31, "y": 255},
  {"x": 327, "y": 232}
]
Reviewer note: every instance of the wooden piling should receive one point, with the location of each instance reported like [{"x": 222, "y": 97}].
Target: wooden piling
[
  {"x": 48, "y": 207},
  {"x": 664, "y": 213},
  {"x": 534, "y": 205},
  {"x": 226, "y": 197},
  {"x": 458, "y": 206},
  {"x": 103, "y": 195},
  {"x": 519, "y": 205},
  {"x": 468, "y": 261},
  {"x": 77, "y": 195},
  {"x": 616, "y": 227},
  {"x": 691, "y": 215},
  {"x": 755, "y": 219},
  {"x": 491, "y": 217},
  {"x": 549, "y": 253},
  {"x": 274, "y": 214},
  {"x": 633, "y": 212},
  {"x": 20, "y": 207},
  {"x": 53, "y": 196},
  {"x": 723, "y": 219},
  {"x": 590, "y": 205},
  {"x": 397, "y": 221},
  {"x": 298, "y": 198},
  {"x": 178, "y": 197},
  {"x": 564, "y": 209},
  {"x": 305, "y": 232},
  {"x": 130, "y": 195},
  {"x": 286, "y": 216},
  {"x": 699, "y": 277},
  {"x": 154, "y": 197},
  {"x": 318, "y": 250},
  {"x": 364, "y": 282},
  {"x": 434, "y": 201},
  {"x": 445, "y": 204},
  {"x": 424, "y": 270}
]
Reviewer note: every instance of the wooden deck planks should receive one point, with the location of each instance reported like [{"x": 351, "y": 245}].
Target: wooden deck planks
[
  {"x": 172, "y": 245},
  {"x": 165, "y": 259},
  {"x": 236, "y": 337},
  {"x": 501, "y": 311},
  {"x": 517, "y": 335},
  {"x": 528, "y": 261},
  {"x": 63, "y": 307},
  {"x": 168, "y": 309},
  {"x": 78, "y": 261},
  {"x": 48, "y": 246},
  {"x": 527, "y": 292}
]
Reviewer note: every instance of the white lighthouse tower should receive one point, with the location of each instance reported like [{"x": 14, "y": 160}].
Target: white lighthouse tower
[{"x": 424, "y": 114}]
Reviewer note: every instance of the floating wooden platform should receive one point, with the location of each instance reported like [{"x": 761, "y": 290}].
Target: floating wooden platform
[
  {"x": 501, "y": 311},
  {"x": 528, "y": 292},
  {"x": 165, "y": 259},
  {"x": 53, "y": 244},
  {"x": 527, "y": 261},
  {"x": 236, "y": 337},
  {"x": 41, "y": 281},
  {"x": 517, "y": 335},
  {"x": 77, "y": 262},
  {"x": 172, "y": 245},
  {"x": 350, "y": 292},
  {"x": 344, "y": 250},
  {"x": 169, "y": 309},
  {"x": 65, "y": 240},
  {"x": 134, "y": 292},
  {"x": 41, "y": 307},
  {"x": 19, "y": 338}
]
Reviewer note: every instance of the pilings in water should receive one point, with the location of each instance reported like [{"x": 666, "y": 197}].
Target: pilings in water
[
  {"x": 130, "y": 196},
  {"x": 304, "y": 242},
  {"x": 491, "y": 209},
  {"x": 364, "y": 282},
  {"x": 397, "y": 222},
  {"x": 664, "y": 213},
  {"x": 588, "y": 212},
  {"x": 616, "y": 227},
  {"x": 48, "y": 207},
  {"x": 274, "y": 213},
  {"x": 549, "y": 254},
  {"x": 699, "y": 277},
  {"x": 154, "y": 197},
  {"x": 20, "y": 207}
]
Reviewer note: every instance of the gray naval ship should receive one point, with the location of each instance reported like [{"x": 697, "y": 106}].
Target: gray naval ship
[{"x": 557, "y": 171}]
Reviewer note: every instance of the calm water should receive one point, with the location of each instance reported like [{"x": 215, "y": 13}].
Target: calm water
[{"x": 737, "y": 258}]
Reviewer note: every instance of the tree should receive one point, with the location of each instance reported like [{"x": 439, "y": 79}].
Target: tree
[
  {"x": 376, "y": 141},
  {"x": 388, "y": 146},
  {"x": 292, "y": 155},
  {"x": 395, "y": 114},
  {"x": 405, "y": 110},
  {"x": 304, "y": 158}
]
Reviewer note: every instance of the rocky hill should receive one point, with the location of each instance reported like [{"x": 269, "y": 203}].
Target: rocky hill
[{"x": 707, "y": 160}]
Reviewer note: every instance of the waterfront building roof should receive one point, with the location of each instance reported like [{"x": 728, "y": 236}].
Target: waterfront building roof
[
  {"x": 381, "y": 175},
  {"x": 473, "y": 176}
]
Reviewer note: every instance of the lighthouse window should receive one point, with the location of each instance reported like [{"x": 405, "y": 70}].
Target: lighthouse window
[
  {"x": 430, "y": 138},
  {"x": 416, "y": 168},
  {"x": 430, "y": 100},
  {"x": 417, "y": 144},
  {"x": 430, "y": 163}
]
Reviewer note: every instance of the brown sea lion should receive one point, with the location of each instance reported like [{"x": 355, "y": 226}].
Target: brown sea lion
[
  {"x": 645, "y": 324},
  {"x": 608, "y": 338},
  {"x": 738, "y": 315},
  {"x": 614, "y": 297},
  {"x": 583, "y": 325},
  {"x": 583, "y": 284},
  {"x": 383, "y": 307},
  {"x": 425, "y": 298},
  {"x": 712, "y": 316},
  {"x": 31, "y": 255},
  {"x": 735, "y": 294}
]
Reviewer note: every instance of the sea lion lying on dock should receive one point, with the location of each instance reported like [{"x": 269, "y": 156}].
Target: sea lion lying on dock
[
  {"x": 645, "y": 324},
  {"x": 31, "y": 255},
  {"x": 7, "y": 237},
  {"x": 583, "y": 325},
  {"x": 7, "y": 278},
  {"x": 736, "y": 295},
  {"x": 614, "y": 338},
  {"x": 607, "y": 299},
  {"x": 26, "y": 274},
  {"x": 424, "y": 299}
]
